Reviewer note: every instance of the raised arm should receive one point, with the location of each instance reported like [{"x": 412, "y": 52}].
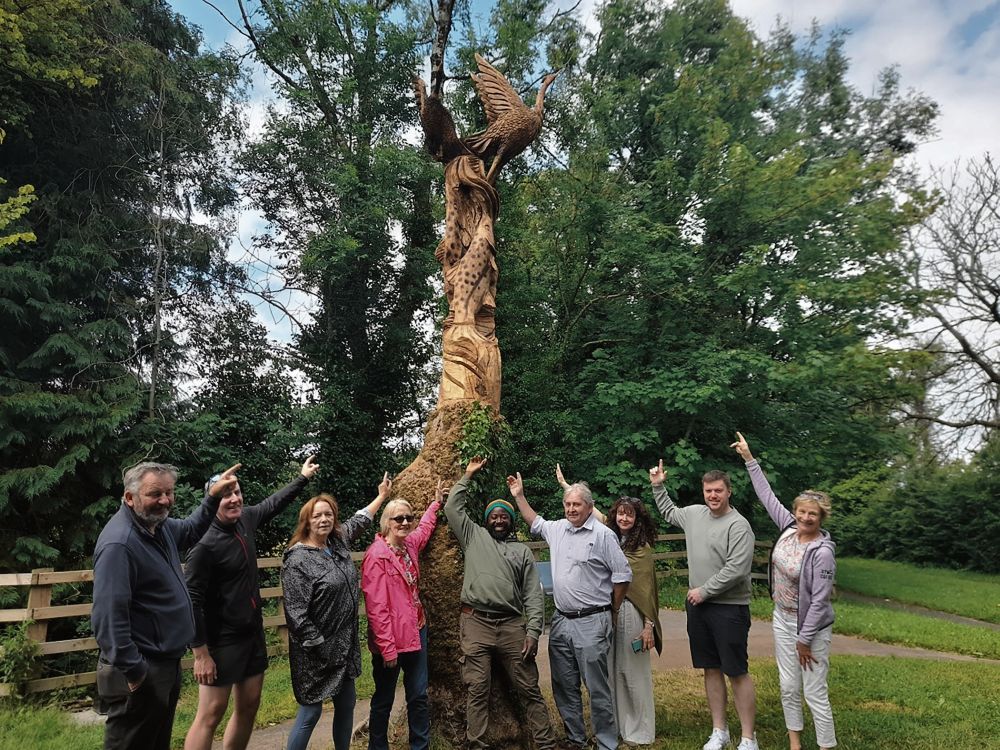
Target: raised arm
[
  {"x": 779, "y": 514},
  {"x": 673, "y": 514},
  {"x": 428, "y": 521},
  {"x": 273, "y": 505},
  {"x": 516, "y": 486},
  {"x": 456, "y": 509},
  {"x": 560, "y": 478},
  {"x": 188, "y": 531},
  {"x": 352, "y": 527}
]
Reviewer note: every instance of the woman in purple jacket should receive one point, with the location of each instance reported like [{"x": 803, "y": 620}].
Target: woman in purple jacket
[{"x": 801, "y": 582}]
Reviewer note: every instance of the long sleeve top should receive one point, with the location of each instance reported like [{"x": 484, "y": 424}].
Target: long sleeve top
[
  {"x": 391, "y": 609},
  {"x": 500, "y": 576},
  {"x": 320, "y": 591},
  {"x": 819, "y": 566},
  {"x": 222, "y": 575},
  {"x": 719, "y": 549},
  {"x": 141, "y": 603}
]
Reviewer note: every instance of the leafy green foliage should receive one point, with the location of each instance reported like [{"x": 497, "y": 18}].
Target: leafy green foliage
[
  {"x": 119, "y": 156},
  {"x": 18, "y": 655},
  {"x": 931, "y": 514},
  {"x": 716, "y": 249}
]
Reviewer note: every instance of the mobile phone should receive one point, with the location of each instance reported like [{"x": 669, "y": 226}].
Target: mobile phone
[{"x": 637, "y": 645}]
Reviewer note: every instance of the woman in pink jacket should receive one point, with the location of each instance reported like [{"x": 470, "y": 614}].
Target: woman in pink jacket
[{"x": 397, "y": 626}]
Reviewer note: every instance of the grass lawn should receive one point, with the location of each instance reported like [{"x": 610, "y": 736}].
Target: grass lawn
[
  {"x": 879, "y": 704},
  {"x": 33, "y": 728},
  {"x": 874, "y": 623},
  {"x": 974, "y": 595}
]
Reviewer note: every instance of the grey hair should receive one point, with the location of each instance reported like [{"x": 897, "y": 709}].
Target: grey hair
[
  {"x": 583, "y": 490},
  {"x": 132, "y": 478},
  {"x": 389, "y": 511}
]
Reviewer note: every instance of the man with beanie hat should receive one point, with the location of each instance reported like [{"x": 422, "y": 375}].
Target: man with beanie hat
[{"x": 501, "y": 612}]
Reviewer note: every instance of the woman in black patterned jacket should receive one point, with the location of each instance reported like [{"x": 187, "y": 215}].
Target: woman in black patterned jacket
[{"x": 320, "y": 589}]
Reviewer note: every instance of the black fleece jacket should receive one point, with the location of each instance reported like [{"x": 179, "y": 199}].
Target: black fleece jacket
[{"x": 222, "y": 572}]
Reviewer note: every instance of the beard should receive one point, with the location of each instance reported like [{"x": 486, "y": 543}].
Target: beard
[
  {"x": 498, "y": 534},
  {"x": 152, "y": 519}
]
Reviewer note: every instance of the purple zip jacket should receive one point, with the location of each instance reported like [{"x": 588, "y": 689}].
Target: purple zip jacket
[{"x": 818, "y": 564}]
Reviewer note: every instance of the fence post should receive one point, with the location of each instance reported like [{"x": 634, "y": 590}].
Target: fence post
[{"x": 39, "y": 595}]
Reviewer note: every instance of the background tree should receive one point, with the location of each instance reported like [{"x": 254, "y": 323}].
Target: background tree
[
  {"x": 109, "y": 151},
  {"x": 347, "y": 204},
  {"x": 955, "y": 257}
]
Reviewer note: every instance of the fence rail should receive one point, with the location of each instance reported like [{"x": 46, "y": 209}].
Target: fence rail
[{"x": 40, "y": 611}]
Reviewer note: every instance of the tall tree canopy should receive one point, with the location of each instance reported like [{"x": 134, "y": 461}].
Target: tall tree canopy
[{"x": 120, "y": 148}]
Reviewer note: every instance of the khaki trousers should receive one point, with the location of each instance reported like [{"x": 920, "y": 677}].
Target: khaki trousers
[{"x": 482, "y": 640}]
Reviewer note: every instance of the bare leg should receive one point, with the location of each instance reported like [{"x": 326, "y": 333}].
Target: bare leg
[
  {"x": 715, "y": 691},
  {"x": 245, "y": 706},
  {"x": 745, "y": 700},
  {"x": 794, "y": 740},
  {"x": 212, "y": 703}
]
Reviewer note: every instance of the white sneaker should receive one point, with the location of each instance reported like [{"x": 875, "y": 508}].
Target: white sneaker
[
  {"x": 748, "y": 744},
  {"x": 718, "y": 740}
]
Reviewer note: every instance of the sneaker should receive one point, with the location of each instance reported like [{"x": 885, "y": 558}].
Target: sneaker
[
  {"x": 748, "y": 744},
  {"x": 719, "y": 740}
]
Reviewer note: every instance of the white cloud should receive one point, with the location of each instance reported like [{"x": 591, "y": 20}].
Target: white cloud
[{"x": 946, "y": 49}]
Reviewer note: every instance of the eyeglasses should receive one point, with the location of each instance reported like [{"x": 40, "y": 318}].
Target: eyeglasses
[{"x": 401, "y": 519}]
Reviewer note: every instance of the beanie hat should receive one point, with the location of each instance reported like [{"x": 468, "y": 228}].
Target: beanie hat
[{"x": 503, "y": 505}]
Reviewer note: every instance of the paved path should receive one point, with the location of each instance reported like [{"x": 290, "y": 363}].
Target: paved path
[{"x": 676, "y": 655}]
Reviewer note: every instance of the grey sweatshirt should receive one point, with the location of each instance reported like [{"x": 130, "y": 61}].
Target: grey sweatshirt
[{"x": 719, "y": 549}]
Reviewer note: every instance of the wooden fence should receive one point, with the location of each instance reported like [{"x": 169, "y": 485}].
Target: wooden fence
[{"x": 39, "y": 610}]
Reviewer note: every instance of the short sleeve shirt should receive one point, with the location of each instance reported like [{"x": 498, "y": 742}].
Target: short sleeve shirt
[{"x": 586, "y": 562}]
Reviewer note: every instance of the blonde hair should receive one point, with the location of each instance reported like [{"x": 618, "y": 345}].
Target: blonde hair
[
  {"x": 821, "y": 499},
  {"x": 389, "y": 511}
]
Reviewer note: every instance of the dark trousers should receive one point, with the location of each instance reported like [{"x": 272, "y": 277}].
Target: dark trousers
[
  {"x": 414, "y": 666},
  {"x": 144, "y": 719}
]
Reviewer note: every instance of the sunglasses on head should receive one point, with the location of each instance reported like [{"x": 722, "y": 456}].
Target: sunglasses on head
[{"x": 400, "y": 519}]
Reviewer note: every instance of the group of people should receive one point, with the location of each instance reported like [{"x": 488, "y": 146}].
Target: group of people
[{"x": 147, "y": 611}]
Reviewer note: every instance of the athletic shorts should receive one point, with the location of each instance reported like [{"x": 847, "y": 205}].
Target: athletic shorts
[
  {"x": 718, "y": 636},
  {"x": 235, "y": 662}
]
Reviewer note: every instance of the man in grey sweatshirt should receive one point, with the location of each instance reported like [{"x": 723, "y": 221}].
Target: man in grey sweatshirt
[{"x": 719, "y": 551}]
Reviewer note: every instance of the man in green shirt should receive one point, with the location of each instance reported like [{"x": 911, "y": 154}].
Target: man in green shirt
[
  {"x": 719, "y": 550},
  {"x": 502, "y": 612}
]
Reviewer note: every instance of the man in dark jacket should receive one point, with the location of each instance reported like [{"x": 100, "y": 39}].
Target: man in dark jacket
[
  {"x": 142, "y": 615},
  {"x": 230, "y": 654}
]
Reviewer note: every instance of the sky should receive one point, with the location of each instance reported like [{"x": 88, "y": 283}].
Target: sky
[{"x": 948, "y": 50}]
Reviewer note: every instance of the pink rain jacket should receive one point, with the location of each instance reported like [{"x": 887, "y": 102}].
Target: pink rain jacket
[{"x": 392, "y": 615}]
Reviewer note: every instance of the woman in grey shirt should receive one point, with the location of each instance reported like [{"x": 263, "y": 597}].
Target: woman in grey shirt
[
  {"x": 801, "y": 582},
  {"x": 320, "y": 588}
]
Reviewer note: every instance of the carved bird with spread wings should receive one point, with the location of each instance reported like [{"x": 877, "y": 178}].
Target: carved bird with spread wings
[{"x": 512, "y": 126}]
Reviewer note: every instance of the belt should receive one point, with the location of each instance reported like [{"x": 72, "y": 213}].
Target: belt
[
  {"x": 584, "y": 612},
  {"x": 466, "y": 609}
]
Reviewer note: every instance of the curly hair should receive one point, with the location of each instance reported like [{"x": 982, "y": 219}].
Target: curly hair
[{"x": 644, "y": 531}]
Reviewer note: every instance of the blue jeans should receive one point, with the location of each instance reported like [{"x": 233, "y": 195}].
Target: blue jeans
[
  {"x": 343, "y": 720},
  {"x": 414, "y": 666}
]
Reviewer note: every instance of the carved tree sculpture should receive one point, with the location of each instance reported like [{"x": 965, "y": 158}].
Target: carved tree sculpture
[
  {"x": 467, "y": 253},
  {"x": 471, "y": 367}
]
